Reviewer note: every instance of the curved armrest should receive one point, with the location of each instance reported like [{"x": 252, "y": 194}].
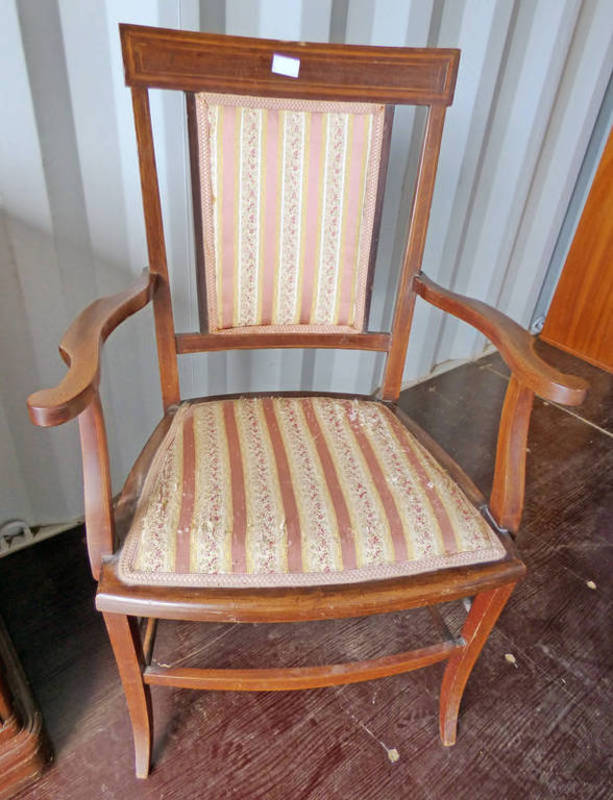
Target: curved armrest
[
  {"x": 80, "y": 349},
  {"x": 516, "y": 345}
]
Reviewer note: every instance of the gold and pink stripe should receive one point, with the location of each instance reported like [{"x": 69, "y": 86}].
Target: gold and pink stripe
[
  {"x": 288, "y": 203},
  {"x": 282, "y": 491}
]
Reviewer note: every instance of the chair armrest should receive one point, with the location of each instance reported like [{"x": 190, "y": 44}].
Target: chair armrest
[
  {"x": 80, "y": 348},
  {"x": 515, "y": 345}
]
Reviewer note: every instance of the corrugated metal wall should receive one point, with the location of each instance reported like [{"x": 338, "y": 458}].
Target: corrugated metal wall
[{"x": 532, "y": 77}]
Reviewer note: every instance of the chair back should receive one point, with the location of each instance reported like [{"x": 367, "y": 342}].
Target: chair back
[{"x": 289, "y": 144}]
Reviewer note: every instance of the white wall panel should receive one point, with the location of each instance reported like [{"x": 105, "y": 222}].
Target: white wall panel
[
  {"x": 540, "y": 38},
  {"x": 482, "y": 35},
  {"x": 573, "y": 116},
  {"x": 33, "y": 307},
  {"x": 531, "y": 80}
]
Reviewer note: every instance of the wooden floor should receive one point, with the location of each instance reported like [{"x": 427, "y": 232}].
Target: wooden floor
[{"x": 536, "y": 719}]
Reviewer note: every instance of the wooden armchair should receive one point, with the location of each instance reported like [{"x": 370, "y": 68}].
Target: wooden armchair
[{"x": 292, "y": 506}]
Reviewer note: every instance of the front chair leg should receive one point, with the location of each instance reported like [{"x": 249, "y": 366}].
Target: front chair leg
[
  {"x": 126, "y": 643},
  {"x": 484, "y": 612}
]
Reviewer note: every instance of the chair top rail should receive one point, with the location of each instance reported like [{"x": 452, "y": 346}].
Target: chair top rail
[{"x": 193, "y": 62}]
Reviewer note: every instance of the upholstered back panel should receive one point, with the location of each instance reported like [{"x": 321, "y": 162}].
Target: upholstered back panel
[{"x": 288, "y": 191}]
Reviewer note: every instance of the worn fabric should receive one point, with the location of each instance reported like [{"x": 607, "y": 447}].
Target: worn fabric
[{"x": 287, "y": 491}]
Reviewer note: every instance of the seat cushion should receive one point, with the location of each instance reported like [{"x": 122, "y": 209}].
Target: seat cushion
[{"x": 290, "y": 491}]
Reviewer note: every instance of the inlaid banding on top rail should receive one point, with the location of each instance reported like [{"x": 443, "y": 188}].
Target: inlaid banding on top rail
[{"x": 191, "y": 61}]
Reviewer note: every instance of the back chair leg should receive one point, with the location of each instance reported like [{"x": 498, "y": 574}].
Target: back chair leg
[
  {"x": 127, "y": 647},
  {"x": 484, "y": 612}
]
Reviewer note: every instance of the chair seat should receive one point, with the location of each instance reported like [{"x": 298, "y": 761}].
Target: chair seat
[{"x": 296, "y": 491}]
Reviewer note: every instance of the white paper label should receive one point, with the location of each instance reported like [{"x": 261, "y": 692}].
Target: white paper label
[{"x": 285, "y": 65}]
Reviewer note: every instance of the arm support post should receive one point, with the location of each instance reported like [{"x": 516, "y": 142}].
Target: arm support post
[
  {"x": 507, "y": 497},
  {"x": 530, "y": 375},
  {"x": 99, "y": 520},
  {"x": 77, "y": 396}
]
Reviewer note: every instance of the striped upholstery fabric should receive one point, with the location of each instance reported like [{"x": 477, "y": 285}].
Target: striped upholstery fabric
[
  {"x": 287, "y": 491},
  {"x": 288, "y": 193}
]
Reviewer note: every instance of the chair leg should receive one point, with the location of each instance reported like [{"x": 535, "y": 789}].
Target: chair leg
[
  {"x": 484, "y": 612},
  {"x": 126, "y": 643}
]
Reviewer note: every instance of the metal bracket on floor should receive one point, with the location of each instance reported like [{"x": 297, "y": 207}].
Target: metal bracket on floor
[
  {"x": 485, "y": 511},
  {"x": 15, "y": 534}
]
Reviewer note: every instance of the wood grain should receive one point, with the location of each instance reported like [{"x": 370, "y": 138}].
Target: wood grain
[
  {"x": 80, "y": 349},
  {"x": 515, "y": 345},
  {"x": 281, "y": 680},
  {"x": 99, "y": 517},
  {"x": 126, "y": 644},
  {"x": 240, "y": 340},
  {"x": 507, "y": 498},
  {"x": 413, "y": 253},
  {"x": 580, "y": 318},
  {"x": 485, "y": 609},
  {"x": 189, "y": 61},
  {"x": 24, "y": 750},
  {"x": 303, "y": 603},
  {"x": 156, "y": 247}
]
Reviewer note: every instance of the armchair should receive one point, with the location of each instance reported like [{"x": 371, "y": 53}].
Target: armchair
[{"x": 291, "y": 506}]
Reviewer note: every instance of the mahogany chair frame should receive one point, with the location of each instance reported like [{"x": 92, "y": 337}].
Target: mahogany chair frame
[{"x": 193, "y": 62}]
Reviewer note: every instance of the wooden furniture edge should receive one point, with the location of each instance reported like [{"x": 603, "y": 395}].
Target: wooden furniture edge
[
  {"x": 156, "y": 249},
  {"x": 80, "y": 348},
  {"x": 194, "y": 61},
  {"x": 244, "y": 340},
  {"x": 508, "y": 487},
  {"x": 415, "y": 243},
  {"x": 97, "y": 494},
  {"x": 25, "y": 750},
  {"x": 516, "y": 345},
  {"x": 296, "y": 678},
  {"x": 542, "y": 337},
  {"x": 292, "y": 604}
]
